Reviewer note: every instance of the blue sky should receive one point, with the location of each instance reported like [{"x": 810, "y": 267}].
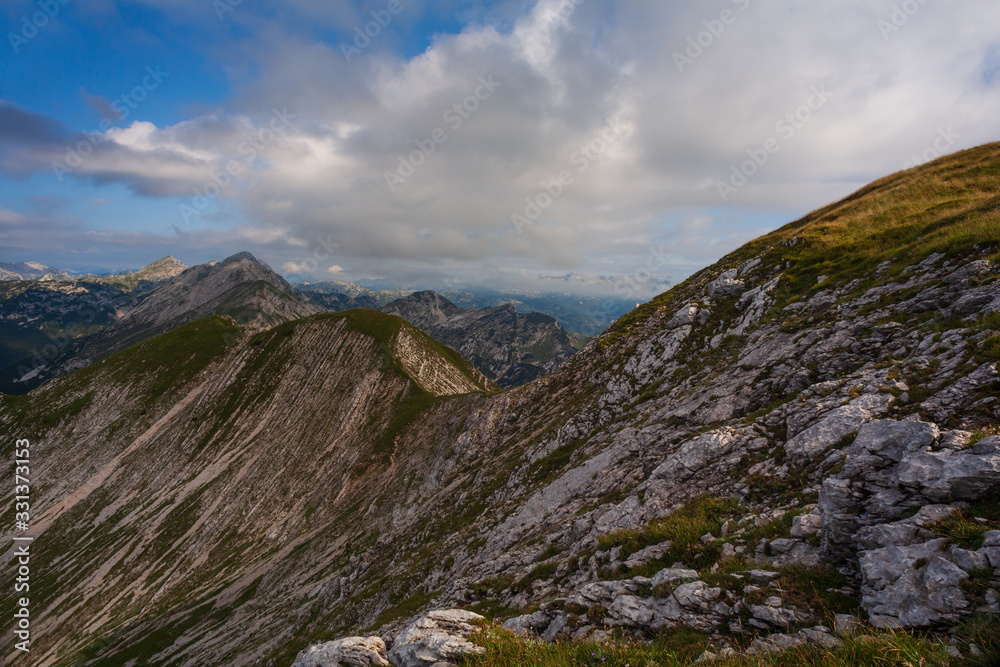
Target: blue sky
[{"x": 429, "y": 154}]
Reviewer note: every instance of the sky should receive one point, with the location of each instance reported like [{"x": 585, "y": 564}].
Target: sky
[{"x": 557, "y": 145}]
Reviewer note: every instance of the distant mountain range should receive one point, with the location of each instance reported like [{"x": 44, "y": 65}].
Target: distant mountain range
[
  {"x": 56, "y": 323},
  {"x": 510, "y": 348},
  {"x": 585, "y": 315},
  {"x": 31, "y": 271}
]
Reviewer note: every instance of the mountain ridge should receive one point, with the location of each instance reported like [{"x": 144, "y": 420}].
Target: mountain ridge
[{"x": 761, "y": 409}]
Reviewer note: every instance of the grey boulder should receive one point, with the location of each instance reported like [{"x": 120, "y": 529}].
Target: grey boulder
[
  {"x": 438, "y": 638},
  {"x": 913, "y": 586},
  {"x": 348, "y": 652}
]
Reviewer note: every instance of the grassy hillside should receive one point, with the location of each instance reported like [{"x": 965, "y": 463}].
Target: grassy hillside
[{"x": 947, "y": 207}]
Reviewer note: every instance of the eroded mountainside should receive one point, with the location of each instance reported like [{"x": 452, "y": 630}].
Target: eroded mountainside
[
  {"x": 510, "y": 348},
  {"x": 820, "y": 403}
]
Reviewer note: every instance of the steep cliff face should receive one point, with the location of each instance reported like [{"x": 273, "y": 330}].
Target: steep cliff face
[
  {"x": 819, "y": 399},
  {"x": 510, "y": 348}
]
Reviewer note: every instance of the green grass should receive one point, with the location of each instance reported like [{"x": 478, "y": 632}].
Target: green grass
[
  {"x": 681, "y": 647},
  {"x": 408, "y": 607},
  {"x": 948, "y": 206},
  {"x": 538, "y": 573},
  {"x": 413, "y": 404},
  {"x": 171, "y": 359},
  {"x": 683, "y": 529},
  {"x": 548, "y": 468},
  {"x": 987, "y": 507},
  {"x": 67, "y": 412},
  {"x": 963, "y": 529},
  {"x": 811, "y": 587},
  {"x": 983, "y": 630}
]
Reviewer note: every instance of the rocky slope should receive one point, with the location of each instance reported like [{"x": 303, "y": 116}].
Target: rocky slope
[
  {"x": 582, "y": 314},
  {"x": 795, "y": 437},
  {"x": 144, "y": 279},
  {"x": 510, "y": 348}
]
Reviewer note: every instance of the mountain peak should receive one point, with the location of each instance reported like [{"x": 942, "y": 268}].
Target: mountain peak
[
  {"x": 162, "y": 269},
  {"x": 240, "y": 256}
]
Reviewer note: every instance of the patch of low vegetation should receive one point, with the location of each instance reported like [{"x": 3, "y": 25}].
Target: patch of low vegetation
[
  {"x": 983, "y": 433},
  {"x": 978, "y": 583},
  {"x": 816, "y": 588},
  {"x": 171, "y": 359},
  {"x": 538, "y": 573},
  {"x": 684, "y": 530},
  {"x": 989, "y": 350},
  {"x": 987, "y": 507},
  {"x": 682, "y": 647},
  {"x": 66, "y": 412},
  {"x": 963, "y": 529},
  {"x": 548, "y": 469},
  {"x": 983, "y": 630},
  {"x": 779, "y": 490},
  {"x": 408, "y": 607}
]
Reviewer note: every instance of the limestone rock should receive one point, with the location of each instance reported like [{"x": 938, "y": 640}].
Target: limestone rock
[
  {"x": 529, "y": 625},
  {"x": 438, "y": 638},
  {"x": 673, "y": 574},
  {"x": 348, "y": 652},
  {"x": 946, "y": 475},
  {"x": 806, "y": 525},
  {"x": 914, "y": 586},
  {"x": 835, "y": 425},
  {"x": 643, "y": 556},
  {"x": 726, "y": 286}
]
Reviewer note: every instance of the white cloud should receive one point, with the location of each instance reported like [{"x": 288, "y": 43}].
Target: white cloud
[{"x": 560, "y": 79}]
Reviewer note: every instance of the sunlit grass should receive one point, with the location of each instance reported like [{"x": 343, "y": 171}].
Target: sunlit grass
[{"x": 683, "y": 647}]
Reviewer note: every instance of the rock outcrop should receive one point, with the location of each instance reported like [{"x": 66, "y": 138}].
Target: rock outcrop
[
  {"x": 347, "y": 652},
  {"x": 436, "y": 639}
]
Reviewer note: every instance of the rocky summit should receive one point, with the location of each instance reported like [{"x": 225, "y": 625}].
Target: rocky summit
[{"x": 795, "y": 449}]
